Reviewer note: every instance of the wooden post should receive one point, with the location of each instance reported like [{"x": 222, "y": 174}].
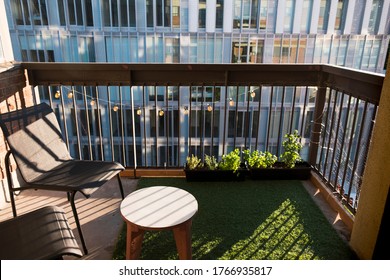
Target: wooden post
[{"x": 316, "y": 125}]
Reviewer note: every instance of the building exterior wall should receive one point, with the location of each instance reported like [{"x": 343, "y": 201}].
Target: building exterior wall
[{"x": 347, "y": 33}]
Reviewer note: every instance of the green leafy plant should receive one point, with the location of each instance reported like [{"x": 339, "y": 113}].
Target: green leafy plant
[
  {"x": 258, "y": 159},
  {"x": 193, "y": 162},
  {"x": 292, "y": 147},
  {"x": 269, "y": 159},
  {"x": 231, "y": 161},
  {"x": 210, "y": 162}
]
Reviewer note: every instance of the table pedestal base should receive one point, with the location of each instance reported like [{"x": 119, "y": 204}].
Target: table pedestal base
[{"x": 181, "y": 232}]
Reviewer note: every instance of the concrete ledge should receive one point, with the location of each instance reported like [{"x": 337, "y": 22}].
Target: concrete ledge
[{"x": 333, "y": 202}]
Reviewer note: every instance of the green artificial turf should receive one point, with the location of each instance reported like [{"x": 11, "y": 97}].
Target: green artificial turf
[{"x": 274, "y": 220}]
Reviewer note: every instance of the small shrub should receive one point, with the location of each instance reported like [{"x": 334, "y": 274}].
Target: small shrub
[
  {"x": 193, "y": 162},
  {"x": 231, "y": 161},
  {"x": 258, "y": 159},
  {"x": 292, "y": 148},
  {"x": 269, "y": 159},
  {"x": 210, "y": 162}
]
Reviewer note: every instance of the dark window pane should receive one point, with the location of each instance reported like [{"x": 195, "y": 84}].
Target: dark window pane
[
  {"x": 123, "y": 11},
  {"x": 61, "y": 12},
  {"x": 89, "y": 14},
  {"x": 149, "y": 13},
  {"x": 132, "y": 13}
]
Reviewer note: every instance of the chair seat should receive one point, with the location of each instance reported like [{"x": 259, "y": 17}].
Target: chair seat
[
  {"x": 41, "y": 234},
  {"x": 78, "y": 175}
]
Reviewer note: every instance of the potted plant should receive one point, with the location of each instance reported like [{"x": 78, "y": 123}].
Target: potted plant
[
  {"x": 258, "y": 159},
  {"x": 264, "y": 165},
  {"x": 292, "y": 147},
  {"x": 228, "y": 169}
]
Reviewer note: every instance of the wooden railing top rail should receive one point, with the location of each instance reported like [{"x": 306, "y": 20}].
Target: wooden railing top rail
[{"x": 365, "y": 85}]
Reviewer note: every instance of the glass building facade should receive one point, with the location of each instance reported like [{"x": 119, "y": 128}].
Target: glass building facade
[
  {"x": 352, "y": 34},
  {"x": 347, "y": 33}
]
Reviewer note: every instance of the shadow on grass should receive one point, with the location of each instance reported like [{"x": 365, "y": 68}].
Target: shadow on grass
[{"x": 247, "y": 220}]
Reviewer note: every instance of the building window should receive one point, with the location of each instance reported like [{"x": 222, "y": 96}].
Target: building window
[
  {"x": 242, "y": 52},
  {"x": 61, "y": 12},
  {"x": 289, "y": 16},
  {"x": 163, "y": 13},
  {"x": 172, "y": 50},
  {"x": 149, "y": 13},
  {"x": 176, "y": 13},
  {"x": 119, "y": 13},
  {"x": 77, "y": 12},
  {"x": 219, "y": 14},
  {"x": 263, "y": 14},
  {"x": 29, "y": 12},
  {"x": 306, "y": 16},
  {"x": 202, "y": 14},
  {"x": 342, "y": 6},
  {"x": 324, "y": 15},
  {"x": 375, "y": 16},
  {"x": 245, "y": 14}
]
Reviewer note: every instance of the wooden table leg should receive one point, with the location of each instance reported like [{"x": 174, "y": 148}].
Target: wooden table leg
[
  {"x": 134, "y": 240},
  {"x": 182, "y": 235}
]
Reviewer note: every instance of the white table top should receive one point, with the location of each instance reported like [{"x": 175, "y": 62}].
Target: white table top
[{"x": 158, "y": 207}]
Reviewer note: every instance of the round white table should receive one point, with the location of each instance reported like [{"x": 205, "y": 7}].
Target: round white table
[{"x": 159, "y": 208}]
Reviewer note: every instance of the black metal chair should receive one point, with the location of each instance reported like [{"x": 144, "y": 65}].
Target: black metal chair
[
  {"x": 42, "y": 234},
  {"x": 35, "y": 140}
]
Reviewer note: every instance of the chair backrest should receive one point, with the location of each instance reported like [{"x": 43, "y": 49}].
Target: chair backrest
[{"x": 35, "y": 139}]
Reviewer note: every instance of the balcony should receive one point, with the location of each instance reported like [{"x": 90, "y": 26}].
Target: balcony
[{"x": 150, "y": 117}]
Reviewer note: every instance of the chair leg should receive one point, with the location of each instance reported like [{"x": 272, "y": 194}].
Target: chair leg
[
  {"x": 11, "y": 195},
  {"x": 120, "y": 185},
  {"x": 76, "y": 218},
  {"x": 10, "y": 182}
]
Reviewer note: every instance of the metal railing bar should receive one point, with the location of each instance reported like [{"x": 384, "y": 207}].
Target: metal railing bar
[
  {"x": 178, "y": 125},
  {"x": 280, "y": 130},
  {"x": 336, "y": 140},
  {"x": 157, "y": 124},
  {"x": 99, "y": 119},
  {"x": 269, "y": 118},
  {"x": 201, "y": 124},
  {"x": 87, "y": 121},
  {"x": 292, "y": 110},
  {"x": 357, "y": 153},
  {"x": 330, "y": 133},
  {"x": 258, "y": 119},
  {"x": 110, "y": 122},
  {"x": 212, "y": 122},
  {"x": 225, "y": 118},
  {"x": 236, "y": 118},
  {"x": 325, "y": 121},
  {"x": 350, "y": 140},
  {"x": 64, "y": 119},
  {"x": 304, "y": 111},
  {"x": 343, "y": 138},
  {"x": 143, "y": 117},
  {"x": 133, "y": 128},
  {"x": 247, "y": 130},
  {"x": 190, "y": 120},
  {"x": 166, "y": 122},
  {"x": 76, "y": 123},
  {"x": 122, "y": 125},
  {"x": 50, "y": 97}
]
